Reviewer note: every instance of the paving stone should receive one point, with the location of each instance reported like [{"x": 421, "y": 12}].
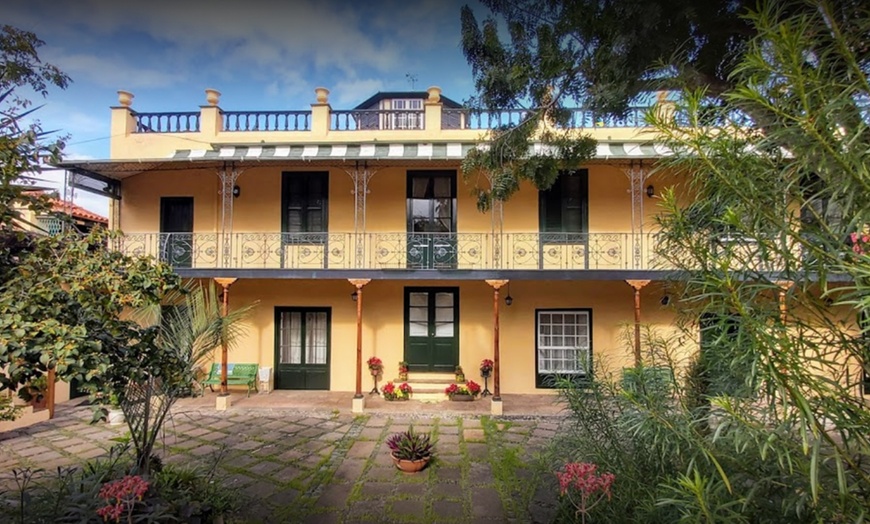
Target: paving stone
[
  {"x": 36, "y": 450},
  {"x": 361, "y": 449},
  {"x": 409, "y": 508},
  {"x": 477, "y": 451},
  {"x": 382, "y": 474},
  {"x": 448, "y": 473},
  {"x": 377, "y": 489},
  {"x": 283, "y": 497},
  {"x": 287, "y": 474},
  {"x": 448, "y": 440},
  {"x": 334, "y": 495},
  {"x": 349, "y": 471},
  {"x": 291, "y": 455},
  {"x": 239, "y": 460},
  {"x": 448, "y": 490},
  {"x": 376, "y": 422},
  {"x": 371, "y": 433},
  {"x": 311, "y": 432},
  {"x": 485, "y": 502},
  {"x": 447, "y": 511},
  {"x": 203, "y": 450},
  {"x": 248, "y": 444},
  {"x": 329, "y": 517},
  {"x": 197, "y": 432},
  {"x": 259, "y": 490},
  {"x": 475, "y": 435},
  {"x": 471, "y": 423},
  {"x": 447, "y": 430},
  {"x": 479, "y": 473},
  {"x": 264, "y": 468}
]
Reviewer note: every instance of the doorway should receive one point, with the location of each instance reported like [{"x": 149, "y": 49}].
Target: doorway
[{"x": 432, "y": 329}]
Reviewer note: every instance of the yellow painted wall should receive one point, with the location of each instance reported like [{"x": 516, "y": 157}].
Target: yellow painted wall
[
  {"x": 383, "y": 327},
  {"x": 257, "y": 209}
]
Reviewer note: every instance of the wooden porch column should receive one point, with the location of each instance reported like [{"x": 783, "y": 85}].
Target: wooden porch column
[
  {"x": 783, "y": 308},
  {"x": 359, "y": 283},
  {"x": 225, "y": 284},
  {"x": 49, "y": 394},
  {"x": 496, "y": 383},
  {"x": 637, "y": 285}
]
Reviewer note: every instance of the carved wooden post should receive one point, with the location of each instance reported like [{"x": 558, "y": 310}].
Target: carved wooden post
[
  {"x": 637, "y": 285},
  {"x": 225, "y": 284},
  {"x": 783, "y": 308},
  {"x": 496, "y": 381},
  {"x": 359, "y": 283}
]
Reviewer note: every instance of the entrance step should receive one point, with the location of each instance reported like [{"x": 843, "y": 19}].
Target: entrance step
[{"x": 428, "y": 387}]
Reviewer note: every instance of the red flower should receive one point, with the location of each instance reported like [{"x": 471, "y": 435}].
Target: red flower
[
  {"x": 451, "y": 389},
  {"x": 405, "y": 388},
  {"x": 389, "y": 388},
  {"x": 473, "y": 387},
  {"x": 583, "y": 486}
]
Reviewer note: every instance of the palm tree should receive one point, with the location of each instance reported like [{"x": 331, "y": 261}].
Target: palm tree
[{"x": 188, "y": 329}]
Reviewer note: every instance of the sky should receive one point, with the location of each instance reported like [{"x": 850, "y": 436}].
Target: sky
[{"x": 260, "y": 54}]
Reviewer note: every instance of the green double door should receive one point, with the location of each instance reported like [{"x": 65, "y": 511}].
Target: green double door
[
  {"x": 302, "y": 348},
  {"x": 432, "y": 329}
]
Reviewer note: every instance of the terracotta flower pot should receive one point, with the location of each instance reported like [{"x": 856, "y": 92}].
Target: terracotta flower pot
[{"x": 410, "y": 466}]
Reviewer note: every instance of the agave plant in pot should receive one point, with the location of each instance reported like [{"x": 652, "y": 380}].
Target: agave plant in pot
[{"x": 411, "y": 451}]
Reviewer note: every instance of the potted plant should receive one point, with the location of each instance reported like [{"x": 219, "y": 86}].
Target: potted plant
[
  {"x": 486, "y": 367},
  {"x": 34, "y": 392},
  {"x": 411, "y": 451},
  {"x": 463, "y": 392},
  {"x": 114, "y": 413},
  {"x": 403, "y": 371},
  {"x": 401, "y": 392},
  {"x": 376, "y": 367},
  {"x": 460, "y": 375}
]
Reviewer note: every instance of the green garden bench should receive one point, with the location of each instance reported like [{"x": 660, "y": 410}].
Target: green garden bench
[{"x": 237, "y": 375}]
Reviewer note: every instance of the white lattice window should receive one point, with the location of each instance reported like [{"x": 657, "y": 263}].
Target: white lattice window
[
  {"x": 563, "y": 342},
  {"x": 408, "y": 114}
]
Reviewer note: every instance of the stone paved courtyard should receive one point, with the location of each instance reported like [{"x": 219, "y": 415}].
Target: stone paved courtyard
[{"x": 293, "y": 465}]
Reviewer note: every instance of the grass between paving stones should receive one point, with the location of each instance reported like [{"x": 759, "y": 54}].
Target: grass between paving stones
[
  {"x": 505, "y": 459},
  {"x": 321, "y": 477}
]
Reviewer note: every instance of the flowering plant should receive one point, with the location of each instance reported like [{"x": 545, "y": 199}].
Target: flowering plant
[
  {"x": 486, "y": 367},
  {"x": 860, "y": 242},
  {"x": 121, "y": 496},
  {"x": 470, "y": 388},
  {"x": 460, "y": 375},
  {"x": 375, "y": 366},
  {"x": 393, "y": 392},
  {"x": 403, "y": 370},
  {"x": 583, "y": 487}
]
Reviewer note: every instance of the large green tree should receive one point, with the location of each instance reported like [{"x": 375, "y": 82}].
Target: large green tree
[
  {"x": 545, "y": 56},
  {"x": 769, "y": 423},
  {"x": 61, "y": 297}
]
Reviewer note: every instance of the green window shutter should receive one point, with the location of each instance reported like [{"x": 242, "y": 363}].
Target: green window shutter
[{"x": 304, "y": 202}]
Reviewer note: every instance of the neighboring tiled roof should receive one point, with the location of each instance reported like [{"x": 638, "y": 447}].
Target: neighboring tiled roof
[{"x": 63, "y": 206}]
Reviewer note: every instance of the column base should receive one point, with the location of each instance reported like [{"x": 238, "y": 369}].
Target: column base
[
  {"x": 496, "y": 408},
  {"x": 223, "y": 402},
  {"x": 359, "y": 405}
]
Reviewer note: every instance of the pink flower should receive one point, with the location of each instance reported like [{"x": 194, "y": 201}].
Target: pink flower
[{"x": 579, "y": 480}]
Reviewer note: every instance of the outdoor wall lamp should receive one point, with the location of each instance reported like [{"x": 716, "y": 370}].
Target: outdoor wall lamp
[
  {"x": 650, "y": 191},
  {"x": 508, "y": 300},
  {"x": 354, "y": 296},
  {"x": 237, "y": 191}
]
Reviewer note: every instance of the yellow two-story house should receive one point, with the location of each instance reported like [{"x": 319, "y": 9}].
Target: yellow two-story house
[{"x": 357, "y": 235}]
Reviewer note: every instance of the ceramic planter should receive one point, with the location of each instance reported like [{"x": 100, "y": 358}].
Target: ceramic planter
[
  {"x": 461, "y": 398},
  {"x": 115, "y": 417},
  {"x": 410, "y": 466}
]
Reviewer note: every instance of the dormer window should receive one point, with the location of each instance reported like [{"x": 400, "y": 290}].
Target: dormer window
[{"x": 406, "y": 113}]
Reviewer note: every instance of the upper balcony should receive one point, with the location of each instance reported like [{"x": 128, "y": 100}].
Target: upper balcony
[{"x": 429, "y": 117}]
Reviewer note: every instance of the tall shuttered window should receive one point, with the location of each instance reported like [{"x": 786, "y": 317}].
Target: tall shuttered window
[{"x": 304, "y": 199}]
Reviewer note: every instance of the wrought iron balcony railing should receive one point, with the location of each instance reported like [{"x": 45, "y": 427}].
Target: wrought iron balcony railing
[{"x": 401, "y": 250}]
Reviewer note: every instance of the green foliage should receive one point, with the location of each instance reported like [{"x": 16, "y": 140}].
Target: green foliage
[
  {"x": 8, "y": 410},
  {"x": 410, "y": 445},
  {"x": 737, "y": 460},
  {"x": 175, "y": 494}
]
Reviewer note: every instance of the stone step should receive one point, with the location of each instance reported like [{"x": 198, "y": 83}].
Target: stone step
[
  {"x": 428, "y": 396},
  {"x": 428, "y": 377}
]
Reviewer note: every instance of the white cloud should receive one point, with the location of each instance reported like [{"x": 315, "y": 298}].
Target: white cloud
[
  {"x": 109, "y": 71},
  {"x": 351, "y": 92}
]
